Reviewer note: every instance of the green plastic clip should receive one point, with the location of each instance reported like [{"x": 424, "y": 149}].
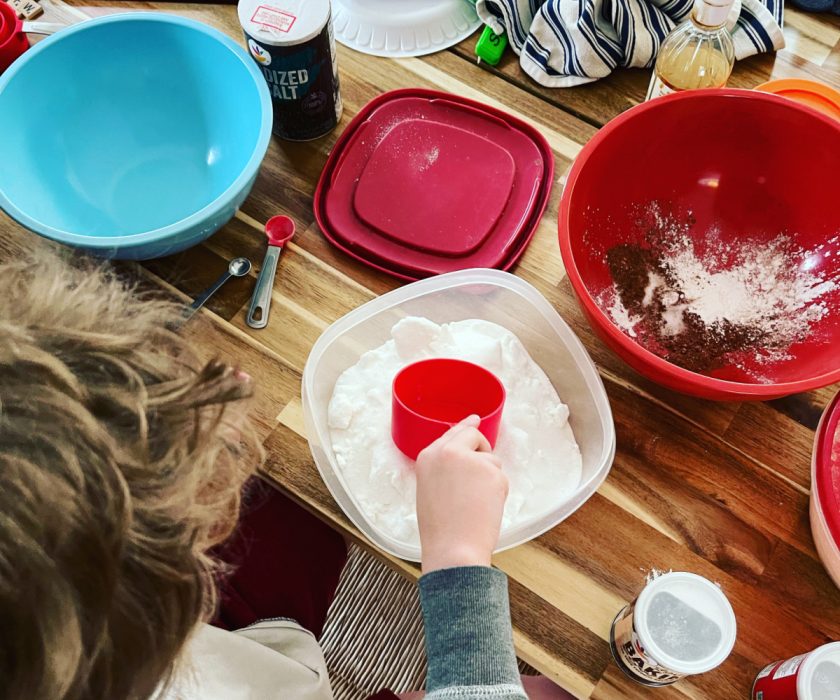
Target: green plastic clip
[{"x": 490, "y": 46}]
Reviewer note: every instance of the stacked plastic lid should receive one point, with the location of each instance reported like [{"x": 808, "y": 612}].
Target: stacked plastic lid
[{"x": 424, "y": 182}]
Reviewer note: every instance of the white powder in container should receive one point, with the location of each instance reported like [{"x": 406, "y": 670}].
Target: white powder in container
[{"x": 538, "y": 449}]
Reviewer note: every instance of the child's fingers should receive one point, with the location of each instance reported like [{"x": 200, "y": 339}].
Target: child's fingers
[
  {"x": 468, "y": 422},
  {"x": 495, "y": 460},
  {"x": 472, "y": 421},
  {"x": 469, "y": 438},
  {"x": 465, "y": 435}
]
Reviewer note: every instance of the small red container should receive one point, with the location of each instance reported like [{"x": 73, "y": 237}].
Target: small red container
[
  {"x": 430, "y": 396},
  {"x": 13, "y": 41},
  {"x": 812, "y": 676}
]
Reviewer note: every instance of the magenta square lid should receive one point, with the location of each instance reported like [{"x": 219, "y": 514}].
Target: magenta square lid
[{"x": 424, "y": 182}]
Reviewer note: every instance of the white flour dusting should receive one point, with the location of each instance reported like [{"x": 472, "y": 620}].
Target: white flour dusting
[
  {"x": 682, "y": 294},
  {"x": 765, "y": 286},
  {"x": 540, "y": 456}
]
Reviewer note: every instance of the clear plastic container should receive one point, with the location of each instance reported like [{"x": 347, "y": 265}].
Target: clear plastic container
[{"x": 484, "y": 294}]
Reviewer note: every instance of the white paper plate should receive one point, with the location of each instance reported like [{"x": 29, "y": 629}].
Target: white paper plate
[{"x": 399, "y": 28}]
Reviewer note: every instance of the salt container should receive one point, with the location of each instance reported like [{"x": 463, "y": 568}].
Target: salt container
[
  {"x": 813, "y": 676},
  {"x": 293, "y": 44},
  {"x": 681, "y": 624}
]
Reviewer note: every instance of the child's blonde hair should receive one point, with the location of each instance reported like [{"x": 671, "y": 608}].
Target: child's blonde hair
[{"x": 117, "y": 472}]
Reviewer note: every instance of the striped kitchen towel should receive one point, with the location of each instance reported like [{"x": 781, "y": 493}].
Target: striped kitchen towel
[{"x": 561, "y": 43}]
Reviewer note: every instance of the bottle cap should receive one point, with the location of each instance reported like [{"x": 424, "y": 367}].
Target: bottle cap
[
  {"x": 712, "y": 13},
  {"x": 491, "y": 46},
  {"x": 685, "y": 623},
  {"x": 283, "y": 22}
]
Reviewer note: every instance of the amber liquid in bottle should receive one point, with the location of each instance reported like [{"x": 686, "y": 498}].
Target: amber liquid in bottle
[{"x": 694, "y": 55}]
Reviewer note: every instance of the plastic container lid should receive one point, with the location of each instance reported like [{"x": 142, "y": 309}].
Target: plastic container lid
[
  {"x": 819, "y": 675},
  {"x": 424, "y": 182},
  {"x": 676, "y": 603},
  {"x": 403, "y": 28},
  {"x": 808, "y": 92},
  {"x": 493, "y": 296},
  {"x": 283, "y": 22},
  {"x": 396, "y": 174}
]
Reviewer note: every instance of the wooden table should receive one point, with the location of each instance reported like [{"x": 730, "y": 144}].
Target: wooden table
[{"x": 720, "y": 489}]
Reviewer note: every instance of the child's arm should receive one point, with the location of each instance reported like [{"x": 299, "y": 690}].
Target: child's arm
[
  {"x": 461, "y": 493},
  {"x": 468, "y": 634}
]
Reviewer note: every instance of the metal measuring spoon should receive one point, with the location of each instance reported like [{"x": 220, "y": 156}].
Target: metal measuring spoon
[
  {"x": 279, "y": 231},
  {"x": 238, "y": 267}
]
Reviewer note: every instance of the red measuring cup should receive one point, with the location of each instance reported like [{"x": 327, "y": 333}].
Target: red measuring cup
[
  {"x": 13, "y": 40},
  {"x": 430, "y": 396},
  {"x": 13, "y": 30}
]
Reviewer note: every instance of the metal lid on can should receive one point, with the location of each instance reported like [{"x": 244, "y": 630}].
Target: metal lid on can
[
  {"x": 819, "y": 676},
  {"x": 283, "y": 22},
  {"x": 685, "y": 623}
]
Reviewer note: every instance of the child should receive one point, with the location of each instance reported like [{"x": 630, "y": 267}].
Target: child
[{"x": 122, "y": 460}]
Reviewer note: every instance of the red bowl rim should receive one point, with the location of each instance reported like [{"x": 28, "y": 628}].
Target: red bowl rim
[
  {"x": 692, "y": 379},
  {"x": 823, "y": 444}
]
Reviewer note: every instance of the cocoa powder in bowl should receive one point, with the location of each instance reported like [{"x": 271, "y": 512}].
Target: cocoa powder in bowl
[{"x": 711, "y": 309}]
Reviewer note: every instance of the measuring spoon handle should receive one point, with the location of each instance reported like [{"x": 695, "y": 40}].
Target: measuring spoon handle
[
  {"x": 261, "y": 300},
  {"x": 206, "y": 294}
]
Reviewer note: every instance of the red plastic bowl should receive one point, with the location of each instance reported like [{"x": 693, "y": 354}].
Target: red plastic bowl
[
  {"x": 825, "y": 490},
  {"x": 430, "y": 396},
  {"x": 775, "y": 165}
]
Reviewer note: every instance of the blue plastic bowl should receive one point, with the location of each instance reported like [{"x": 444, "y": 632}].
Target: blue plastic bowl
[{"x": 131, "y": 136}]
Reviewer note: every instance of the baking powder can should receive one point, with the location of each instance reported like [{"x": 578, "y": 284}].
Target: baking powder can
[
  {"x": 813, "y": 676},
  {"x": 292, "y": 41},
  {"x": 680, "y": 625}
]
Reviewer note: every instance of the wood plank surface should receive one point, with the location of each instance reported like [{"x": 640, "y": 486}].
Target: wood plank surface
[{"x": 720, "y": 489}]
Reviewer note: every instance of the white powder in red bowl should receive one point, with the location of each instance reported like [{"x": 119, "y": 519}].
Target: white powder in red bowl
[{"x": 703, "y": 302}]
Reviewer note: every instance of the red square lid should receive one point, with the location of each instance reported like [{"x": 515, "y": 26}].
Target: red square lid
[{"x": 424, "y": 182}]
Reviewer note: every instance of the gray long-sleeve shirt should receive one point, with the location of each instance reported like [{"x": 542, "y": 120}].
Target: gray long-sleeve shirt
[{"x": 469, "y": 641}]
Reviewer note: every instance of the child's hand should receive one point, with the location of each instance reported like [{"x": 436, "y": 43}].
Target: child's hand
[{"x": 461, "y": 494}]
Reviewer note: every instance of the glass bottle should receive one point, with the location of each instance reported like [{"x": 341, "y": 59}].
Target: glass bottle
[{"x": 697, "y": 54}]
